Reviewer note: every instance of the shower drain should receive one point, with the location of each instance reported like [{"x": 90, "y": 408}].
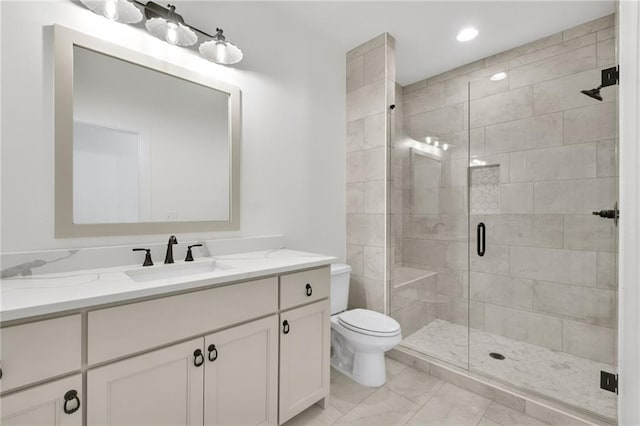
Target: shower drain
[{"x": 496, "y": 355}]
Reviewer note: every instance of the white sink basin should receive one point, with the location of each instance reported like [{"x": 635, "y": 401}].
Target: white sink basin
[{"x": 159, "y": 272}]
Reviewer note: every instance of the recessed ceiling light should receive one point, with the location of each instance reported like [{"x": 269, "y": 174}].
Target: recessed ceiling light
[
  {"x": 499, "y": 76},
  {"x": 467, "y": 34}
]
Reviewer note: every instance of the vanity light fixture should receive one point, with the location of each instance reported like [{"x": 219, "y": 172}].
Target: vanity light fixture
[
  {"x": 220, "y": 51},
  {"x": 165, "y": 24},
  {"x": 467, "y": 34},
  {"x": 122, "y": 11},
  {"x": 499, "y": 76}
]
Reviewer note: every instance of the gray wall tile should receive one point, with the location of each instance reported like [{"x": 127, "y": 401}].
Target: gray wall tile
[
  {"x": 529, "y": 133},
  {"x": 438, "y": 122},
  {"x": 554, "y": 50},
  {"x": 374, "y": 64},
  {"x": 366, "y": 100},
  {"x": 571, "y": 62},
  {"x": 516, "y": 198},
  {"x": 525, "y": 230},
  {"x": 590, "y": 305},
  {"x": 528, "y": 327},
  {"x": 580, "y": 196},
  {"x": 588, "y": 232},
  {"x": 592, "y": 123},
  {"x": 563, "y": 93},
  {"x": 589, "y": 27},
  {"x": 355, "y": 135},
  {"x": 559, "y": 265},
  {"x": 607, "y": 270},
  {"x": 589, "y": 341},
  {"x": 607, "y": 158},
  {"x": 565, "y": 162},
  {"x": 507, "y": 106},
  {"x": 501, "y": 290},
  {"x": 355, "y": 73}
]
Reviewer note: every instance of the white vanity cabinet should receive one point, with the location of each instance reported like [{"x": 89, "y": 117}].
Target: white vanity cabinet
[
  {"x": 225, "y": 378},
  {"x": 56, "y": 403},
  {"x": 162, "y": 387},
  {"x": 305, "y": 340},
  {"x": 247, "y": 353},
  {"x": 241, "y": 375}
]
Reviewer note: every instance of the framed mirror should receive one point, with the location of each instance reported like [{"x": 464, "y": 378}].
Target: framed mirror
[{"x": 142, "y": 146}]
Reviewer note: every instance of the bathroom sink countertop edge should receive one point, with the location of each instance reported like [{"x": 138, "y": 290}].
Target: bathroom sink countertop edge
[{"x": 36, "y": 295}]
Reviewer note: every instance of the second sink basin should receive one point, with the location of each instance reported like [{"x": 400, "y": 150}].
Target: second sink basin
[{"x": 175, "y": 270}]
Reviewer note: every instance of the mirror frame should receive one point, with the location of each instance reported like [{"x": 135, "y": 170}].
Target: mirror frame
[{"x": 64, "y": 41}]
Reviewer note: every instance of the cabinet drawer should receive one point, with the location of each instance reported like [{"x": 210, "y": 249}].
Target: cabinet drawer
[
  {"x": 40, "y": 350},
  {"x": 44, "y": 405},
  {"x": 304, "y": 287},
  {"x": 123, "y": 330}
]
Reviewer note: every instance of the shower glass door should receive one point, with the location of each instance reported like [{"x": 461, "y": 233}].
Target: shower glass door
[
  {"x": 542, "y": 285},
  {"x": 429, "y": 216}
]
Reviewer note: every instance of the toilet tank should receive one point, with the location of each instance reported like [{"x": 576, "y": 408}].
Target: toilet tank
[{"x": 339, "y": 287}]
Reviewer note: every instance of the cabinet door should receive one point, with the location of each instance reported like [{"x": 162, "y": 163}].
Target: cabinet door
[
  {"x": 241, "y": 375},
  {"x": 304, "y": 357},
  {"x": 163, "y": 387},
  {"x": 44, "y": 405}
]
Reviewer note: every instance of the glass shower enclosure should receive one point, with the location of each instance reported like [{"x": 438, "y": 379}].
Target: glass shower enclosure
[{"x": 500, "y": 266}]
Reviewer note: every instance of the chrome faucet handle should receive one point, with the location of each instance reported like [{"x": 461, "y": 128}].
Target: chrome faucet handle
[
  {"x": 147, "y": 257},
  {"x": 189, "y": 257}
]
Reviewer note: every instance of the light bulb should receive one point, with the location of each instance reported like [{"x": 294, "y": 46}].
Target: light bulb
[
  {"x": 445, "y": 147},
  {"x": 467, "y": 34},
  {"x": 428, "y": 139},
  {"x": 172, "y": 32},
  {"x": 221, "y": 52},
  {"x": 436, "y": 144},
  {"x": 111, "y": 9},
  {"x": 499, "y": 76}
]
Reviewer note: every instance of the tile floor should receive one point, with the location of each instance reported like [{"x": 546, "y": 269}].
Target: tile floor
[
  {"x": 410, "y": 397},
  {"x": 562, "y": 376}
]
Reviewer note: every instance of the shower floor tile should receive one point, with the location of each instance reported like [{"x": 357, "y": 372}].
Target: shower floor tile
[{"x": 561, "y": 376}]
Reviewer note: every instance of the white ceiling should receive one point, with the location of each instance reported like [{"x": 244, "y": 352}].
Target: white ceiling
[{"x": 425, "y": 31}]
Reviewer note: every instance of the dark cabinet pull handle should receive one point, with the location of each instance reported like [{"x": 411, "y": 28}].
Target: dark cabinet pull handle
[
  {"x": 213, "y": 353},
  {"x": 0, "y": 372},
  {"x": 309, "y": 289},
  {"x": 198, "y": 358},
  {"x": 71, "y": 396},
  {"x": 285, "y": 327},
  {"x": 481, "y": 232}
]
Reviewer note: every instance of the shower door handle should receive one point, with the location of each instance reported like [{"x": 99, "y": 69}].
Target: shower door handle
[{"x": 481, "y": 231}]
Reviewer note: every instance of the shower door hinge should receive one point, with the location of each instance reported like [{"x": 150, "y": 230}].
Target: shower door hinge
[
  {"x": 610, "y": 76},
  {"x": 609, "y": 381}
]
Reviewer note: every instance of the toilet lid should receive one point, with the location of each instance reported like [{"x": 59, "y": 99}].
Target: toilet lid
[{"x": 369, "y": 322}]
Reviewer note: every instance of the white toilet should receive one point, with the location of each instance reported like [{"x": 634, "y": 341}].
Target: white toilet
[{"x": 359, "y": 337}]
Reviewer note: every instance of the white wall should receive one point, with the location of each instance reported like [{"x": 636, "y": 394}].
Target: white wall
[
  {"x": 293, "y": 159},
  {"x": 629, "y": 268}
]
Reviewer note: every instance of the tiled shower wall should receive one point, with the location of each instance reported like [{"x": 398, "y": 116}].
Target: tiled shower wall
[
  {"x": 548, "y": 276},
  {"x": 370, "y": 90}
]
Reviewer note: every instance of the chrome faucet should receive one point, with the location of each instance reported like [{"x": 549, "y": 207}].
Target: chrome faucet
[{"x": 168, "y": 258}]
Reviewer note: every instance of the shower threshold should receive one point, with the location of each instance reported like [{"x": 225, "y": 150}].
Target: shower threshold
[{"x": 556, "y": 375}]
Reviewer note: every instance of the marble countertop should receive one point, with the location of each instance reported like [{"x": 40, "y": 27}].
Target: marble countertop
[{"x": 23, "y": 297}]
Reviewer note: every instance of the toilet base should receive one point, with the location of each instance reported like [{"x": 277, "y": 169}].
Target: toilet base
[
  {"x": 369, "y": 369},
  {"x": 365, "y": 368}
]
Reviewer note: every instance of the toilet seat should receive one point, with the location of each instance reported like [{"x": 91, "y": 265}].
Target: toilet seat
[{"x": 370, "y": 323}]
